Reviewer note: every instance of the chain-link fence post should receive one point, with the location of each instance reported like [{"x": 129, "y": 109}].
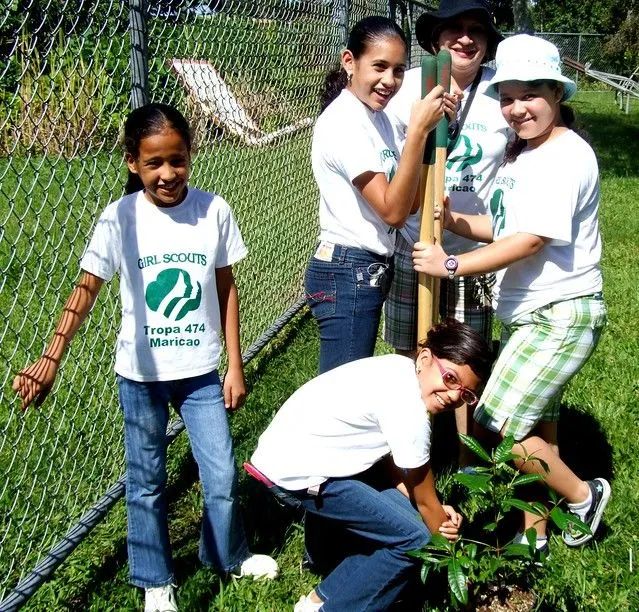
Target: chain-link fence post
[
  {"x": 341, "y": 16},
  {"x": 578, "y": 58},
  {"x": 139, "y": 53}
]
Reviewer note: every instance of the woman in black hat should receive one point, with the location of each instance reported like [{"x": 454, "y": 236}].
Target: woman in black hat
[{"x": 477, "y": 139}]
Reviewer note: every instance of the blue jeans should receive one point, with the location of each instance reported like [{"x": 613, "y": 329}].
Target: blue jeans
[
  {"x": 372, "y": 578},
  {"x": 346, "y": 296},
  {"x": 200, "y": 403}
]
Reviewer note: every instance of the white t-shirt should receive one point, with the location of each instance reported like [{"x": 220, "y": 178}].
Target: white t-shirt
[
  {"x": 166, "y": 258},
  {"x": 551, "y": 191},
  {"x": 344, "y": 421},
  {"x": 348, "y": 140},
  {"x": 472, "y": 164}
]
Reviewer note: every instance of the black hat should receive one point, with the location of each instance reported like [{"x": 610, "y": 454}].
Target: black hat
[{"x": 448, "y": 9}]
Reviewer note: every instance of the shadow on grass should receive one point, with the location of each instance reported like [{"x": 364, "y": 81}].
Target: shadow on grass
[
  {"x": 602, "y": 128},
  {"x": 584, "y": 444}
]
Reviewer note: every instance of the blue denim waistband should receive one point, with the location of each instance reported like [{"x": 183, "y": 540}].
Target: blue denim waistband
[{"x": 342, "y": 254}]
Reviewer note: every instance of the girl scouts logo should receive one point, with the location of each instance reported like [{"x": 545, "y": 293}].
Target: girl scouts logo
[
  {"x": 389, "y": 163},
  {"x": 173, "y": 294},
  {"x": 466, "y": 158},
  {"x": 498, "y": 212}
]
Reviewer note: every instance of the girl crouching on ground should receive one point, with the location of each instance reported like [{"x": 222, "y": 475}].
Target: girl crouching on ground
[{"x": 320, "y": 449}]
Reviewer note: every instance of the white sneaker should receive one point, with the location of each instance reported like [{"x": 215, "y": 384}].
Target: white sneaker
[
  {"x": 306, "y": 604},
  {"x": 160, "y": 599},
  {"x": 600, "y": 491},
  {"x": 259, "y": 566}
]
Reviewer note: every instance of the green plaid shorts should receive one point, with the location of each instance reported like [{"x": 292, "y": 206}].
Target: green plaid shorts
[
  {"x": 467, "y": 299},
  {"x": 541, "y": 352}
]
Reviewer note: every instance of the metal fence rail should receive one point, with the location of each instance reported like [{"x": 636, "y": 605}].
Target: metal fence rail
[{"x": 248, "y": 75}]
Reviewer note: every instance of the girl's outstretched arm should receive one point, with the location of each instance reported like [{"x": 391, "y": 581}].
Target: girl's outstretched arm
[
  {"x": 394, "y": 201},
  {"x": 473, "y": 227},
  {"x": 234, "y": 384},
  {"x": 36, "y": 380},
  {"x": 429, "y": 258},
  {"x": 420, "y": 486}
]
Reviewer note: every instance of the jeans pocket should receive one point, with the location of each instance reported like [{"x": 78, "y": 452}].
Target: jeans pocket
[
  {"x": 375, "y": 276},
  {"x": 321, "y": 292}
]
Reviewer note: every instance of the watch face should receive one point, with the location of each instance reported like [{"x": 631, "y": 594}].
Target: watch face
[{"x": 451, "y": 263}]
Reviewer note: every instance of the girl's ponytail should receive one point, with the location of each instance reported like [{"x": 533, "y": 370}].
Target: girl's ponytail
[
  {"x": 334, "y": 82},
  {"x": 567, "y": 116},
  {"x": 513, "y": 149},
  {"x": 133, "y": 183},
  {"x": 364, "y": 32}
]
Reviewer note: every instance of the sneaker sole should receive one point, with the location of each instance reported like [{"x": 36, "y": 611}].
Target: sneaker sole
[{"x": 596, "y": 519}]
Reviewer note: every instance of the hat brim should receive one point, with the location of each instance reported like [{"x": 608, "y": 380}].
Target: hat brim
[
  {"x": 427, "y": 22},
  {"x": 570, "y": 87}
]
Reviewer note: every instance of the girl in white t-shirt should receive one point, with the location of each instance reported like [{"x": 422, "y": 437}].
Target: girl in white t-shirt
[
  {"x": 333, "y": 445},
  {"x": 545, "y": 246},
  {"x": 173, "y": 247},
  {"x": 366, "y": 189}
]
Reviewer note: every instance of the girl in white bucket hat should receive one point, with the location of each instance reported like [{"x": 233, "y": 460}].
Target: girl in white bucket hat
[{"x": 544, "y": 243}]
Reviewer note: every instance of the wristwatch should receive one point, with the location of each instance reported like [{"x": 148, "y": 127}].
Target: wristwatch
[{"x": 451, "y": 264}]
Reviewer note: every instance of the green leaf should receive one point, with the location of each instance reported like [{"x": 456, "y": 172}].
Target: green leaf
[
  {"x": 544, "y": 465},
  {"x": 540, "y": 508},
  {"x": 568, "y": 521},
  {"x": 531, "y": 537},
  {"x": 435, "y": 560},
  {"x": 493, "y": 564},
  {"x": 424, "y": 572},
  {"x": 504, "y": 449},
  {"x": 517, "y": 550},
  {"x": 507, "y": 458},
  {"x": 457, "y": 581},
  {"x": 471, "y": 550},
  {"x": 439, "y": 542},
  {"x": 512, "y": 502},
  {"x": 527, "y": 479},
  {"x": 475, "y": 446},
  {"x": 475, "y": 482},
  {"x": 490, "y": 527},
  {"x": 418, "y": 554}
]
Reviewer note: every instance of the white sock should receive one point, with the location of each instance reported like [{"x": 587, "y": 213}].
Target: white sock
[
  {"x": 520, "y": 538},
  {"x": 580, "y": 508}
]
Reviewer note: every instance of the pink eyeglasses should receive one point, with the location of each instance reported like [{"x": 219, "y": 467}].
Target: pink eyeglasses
[{"x": 452, "y": 382}]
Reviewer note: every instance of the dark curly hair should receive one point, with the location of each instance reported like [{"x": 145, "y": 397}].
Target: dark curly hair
[{"x": 461, "y": 344}]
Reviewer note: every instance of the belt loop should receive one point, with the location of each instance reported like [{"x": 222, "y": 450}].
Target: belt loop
[{"x": 342, "y": 253}]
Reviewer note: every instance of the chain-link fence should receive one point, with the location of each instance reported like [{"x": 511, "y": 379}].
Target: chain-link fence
[{"x": 248, "y": 75}]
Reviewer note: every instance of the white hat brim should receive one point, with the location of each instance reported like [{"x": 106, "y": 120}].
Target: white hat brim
[{"x": 570, "y": 87}]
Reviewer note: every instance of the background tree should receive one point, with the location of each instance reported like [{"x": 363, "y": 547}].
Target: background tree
[
  {"x": 625, "y": 41},
  {"x": 591, "y": 16},
  {"x": 522, "y": 19}
]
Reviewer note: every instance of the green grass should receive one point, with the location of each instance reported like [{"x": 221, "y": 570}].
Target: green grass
[{"x": 597, "y": 435}]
